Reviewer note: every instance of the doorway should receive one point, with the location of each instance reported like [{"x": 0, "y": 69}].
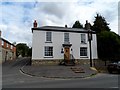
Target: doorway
[{"x": 67, "y": 54}]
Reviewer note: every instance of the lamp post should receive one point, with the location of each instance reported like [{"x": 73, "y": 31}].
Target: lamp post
[{"x": 89, "y": 39}]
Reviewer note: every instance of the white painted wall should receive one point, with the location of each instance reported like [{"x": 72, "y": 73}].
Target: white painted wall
[
  {"x": 39, "y": 39},
  {"x": 9, "y": 55},
  {"x": 0, "y": 54}
]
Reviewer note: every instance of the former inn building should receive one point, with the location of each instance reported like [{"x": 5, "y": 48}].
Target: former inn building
[{"x": 53, "y": 45}]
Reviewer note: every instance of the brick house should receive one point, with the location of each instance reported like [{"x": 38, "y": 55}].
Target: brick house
[{"x": 7, "y": 50}]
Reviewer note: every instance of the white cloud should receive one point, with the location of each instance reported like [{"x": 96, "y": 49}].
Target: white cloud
[{"x": 18, "y": 17}]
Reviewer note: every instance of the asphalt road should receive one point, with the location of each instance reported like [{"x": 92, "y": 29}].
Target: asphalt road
[{"x": 13, "y": 78}]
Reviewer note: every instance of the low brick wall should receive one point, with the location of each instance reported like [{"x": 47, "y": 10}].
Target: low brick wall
[
  {"x": 101, "y": 65},
  {"x": 57, "y": 61},
  {"x": 45, "y": 62},
  {"x": 82, "y": 61}
]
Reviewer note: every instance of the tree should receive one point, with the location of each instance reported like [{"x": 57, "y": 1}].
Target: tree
[
  {"x": 108, "y": 45},
  {"x": 108, "y": 42},
  {"x": 77, "y": 24},
  {"x": 22, "y": 49},
  {"x": 100, "y": 24},
  {"x": 29, "y": 52}
]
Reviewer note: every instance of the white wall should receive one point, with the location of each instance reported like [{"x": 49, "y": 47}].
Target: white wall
[
  {"x": 9, "y": 55},
  {"x": 0, "y": 55},
  {"x": 76, "y": 44},
  {"x": 39, "y": 43},
  {"x": 39, "y": 38}
]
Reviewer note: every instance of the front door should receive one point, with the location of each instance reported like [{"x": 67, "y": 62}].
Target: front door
[{"x": 67, "y": 54}]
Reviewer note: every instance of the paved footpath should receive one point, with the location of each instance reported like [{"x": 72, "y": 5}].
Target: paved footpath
[{"x": 57, "y": 71}]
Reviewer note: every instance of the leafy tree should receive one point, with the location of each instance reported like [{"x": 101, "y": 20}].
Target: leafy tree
[
  {"x": 29, "y": 52},
  {"x": 108, "y": 45},
  {"x": 77, "y": 24},
  {"x": 22, "y": 49},
  {"x": 100, "y": 24},
  {"x": 108, "y": 42}
]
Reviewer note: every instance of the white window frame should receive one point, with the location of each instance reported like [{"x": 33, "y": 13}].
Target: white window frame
[
  {"x": 83, "y": 38},
  {"x": 7, "y": 45},
  {"x": 48, "y": 36},
  {"x": 66, "y": 37},
  {"x": 2, "y": 42},
  {"x": 11, "y": 46},
  {"x": 84, "y": 52},
  {"x": 48, "y": 53}
]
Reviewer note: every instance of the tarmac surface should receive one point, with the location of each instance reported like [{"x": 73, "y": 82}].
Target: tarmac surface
[{"x": 57, "y": 71}]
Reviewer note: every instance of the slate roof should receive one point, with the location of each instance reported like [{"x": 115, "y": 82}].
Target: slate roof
[
  {"x": 6, "y": 41},
  {"x": 61, "y": 29}
]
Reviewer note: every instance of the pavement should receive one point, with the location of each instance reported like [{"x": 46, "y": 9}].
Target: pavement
[{"x": 57, "y": 71}]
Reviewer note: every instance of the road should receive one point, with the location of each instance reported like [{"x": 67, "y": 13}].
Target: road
[{"x": 13, "y": 78}]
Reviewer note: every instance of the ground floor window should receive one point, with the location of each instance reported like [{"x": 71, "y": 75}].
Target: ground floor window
[
  {"x": 83, "y": 51},
  {"x": 48, "y": 51}
]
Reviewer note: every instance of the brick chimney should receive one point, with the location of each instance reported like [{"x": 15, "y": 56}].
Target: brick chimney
[
  {"x": 87, "y": 25},
  {"x": 35, "y": 24},
  {"x": 65, "y": 26}
]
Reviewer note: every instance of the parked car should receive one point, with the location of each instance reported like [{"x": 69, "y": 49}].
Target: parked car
[{"x": 114, "y": 67}]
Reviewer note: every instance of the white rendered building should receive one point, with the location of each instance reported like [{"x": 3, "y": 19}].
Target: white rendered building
[{"x": 51, "y": 45}]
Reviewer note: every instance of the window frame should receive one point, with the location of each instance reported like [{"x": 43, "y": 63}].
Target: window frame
[
  {"x": 47, "y": 52},
  {"x": 7, "y": 45},
  {"x": 83, "y": 38},
  {"x": 11, "y": 46},
  {"x": 66, "y": 38},
  {"x": 48, "y": 37},
  {"x": 2, "y": 43},
  {"x": 84, "y": 52}
]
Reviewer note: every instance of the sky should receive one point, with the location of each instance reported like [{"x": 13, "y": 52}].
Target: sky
[{"x": 17, "y": 16}]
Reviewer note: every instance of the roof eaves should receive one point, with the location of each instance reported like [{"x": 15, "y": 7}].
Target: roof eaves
[{"x": 62, "y": 29}]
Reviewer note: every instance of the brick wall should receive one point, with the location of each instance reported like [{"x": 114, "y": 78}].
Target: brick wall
[
  {"x": 5, "y": 45},
  {"x": 57, "y": 62},
  {"x": 8, "y": 53}
]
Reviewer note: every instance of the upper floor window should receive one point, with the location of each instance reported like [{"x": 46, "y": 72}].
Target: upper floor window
[
  {"x": 66, "y": 37},
  {"x": 7, "y": 45},
  {"x": 83, "y": 38},
  {"x": 2, "y": 43},
  {"x": 48, "y": 36},
  {"x": 11, "y": 47}
]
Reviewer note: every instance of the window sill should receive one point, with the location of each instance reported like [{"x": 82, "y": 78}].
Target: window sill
[
  {"x": 83, "y": 56},
  {"x": 48, "y": 42},
  {"x": 48, "y": 56},
  {"x": 83, "y": 43}
]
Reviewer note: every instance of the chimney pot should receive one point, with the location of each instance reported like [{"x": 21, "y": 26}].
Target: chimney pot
[
  {"x": 87, "y": 25},
  {"x": 86, "y": 21},
  {"x": 35, "y": 24},
  {"x": 65, "y": 26}
]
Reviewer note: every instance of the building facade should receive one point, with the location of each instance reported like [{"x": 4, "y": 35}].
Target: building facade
[
  {"x": 52, "y": 45},
  {"x": 7, "y": 50}
]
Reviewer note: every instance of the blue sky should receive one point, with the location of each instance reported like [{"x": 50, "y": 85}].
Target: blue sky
[{"x": 17, "y": 17}]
